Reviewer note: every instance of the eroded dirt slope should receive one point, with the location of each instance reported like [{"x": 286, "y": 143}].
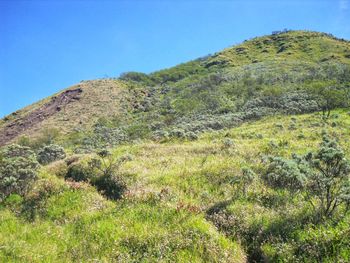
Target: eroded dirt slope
[{"x": 76, "y": 107}]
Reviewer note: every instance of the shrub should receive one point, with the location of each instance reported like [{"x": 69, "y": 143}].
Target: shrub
[
  {"x": 284, "y": 173},
  {"x": 106, "y": 178},
  {"x": 177, "y": 133},
  {"x": 323, "y": 176},
  {"x": 191, "y": 136},
  {"x": 243, "y": 181},
  {"x": 59, "y": 168},
  {"x": 101, "y": 172},
  {"x": 18, "y": 167},
  {"x": 136, "y": 76},
  {"x": 227, "y": 143},
  {"x": 160, "y": 135},
  {"x": 78, "y": 172},
  {"x": 329, "y": 181},
  {"x": 328, "y": 97},
  {"x": 110, "y": 185},
  {"x": 50, "y": 153}
]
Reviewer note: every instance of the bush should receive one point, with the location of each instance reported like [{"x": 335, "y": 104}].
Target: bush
[
  {"x": 105, "y": 175},
  {"x": 78, "y": 172},
  {"x": 101, "y": 172},
  {"x": 191, "y": 136},
  {"x": 243, "y": 181},
  {"x": 323, "y": 176},
  {"x": 110, "y": 185},
  {"x": 227, "y": 143},
  {"x": 177, "y": 133},
  {"x": 18, "y": 167},
  {"x": 59, "y": 168},
  {"x": 50, "y": 153},
  {"x": 137, "y": 77},
  {"x": 329, "y": 181},
  {"x": 283, "y": 173},
  {"x": 160, "y": 135}
]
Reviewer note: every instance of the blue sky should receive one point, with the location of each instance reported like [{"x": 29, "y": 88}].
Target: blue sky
[{"x": 48, "y": 45}]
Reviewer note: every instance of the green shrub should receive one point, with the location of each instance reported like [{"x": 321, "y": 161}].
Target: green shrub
[
  {"x": 177, "y": 133},
  {"x": 244, "y": 180},
  {"x": 191, "y": 136},
  {"x": 78, "y": 172},
  {"x": 105, "y": 175},
  {"x": 110, "y": 185},
  {"x": 50, "y": 153},
  {"x": 323, "y": 176},
  {"x": 18, "y": 167},
  {"x": 329, "y": 181},
  {"x": 227, "y": 143},
  {"x": 284, "y": 173},
  {"x": 137, "y": 77}
]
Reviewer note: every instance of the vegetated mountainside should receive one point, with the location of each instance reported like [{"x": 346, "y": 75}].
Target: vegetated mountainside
[
  {"x": 240, "y": 156},
  {"x": 250, "y": 80},
  {"x": 185, "y": 203}
]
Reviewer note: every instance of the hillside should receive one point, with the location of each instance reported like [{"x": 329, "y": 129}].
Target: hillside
[
  {"x": 240, "y": 156},
  {"x": 178, "y": 192},
  {"x": 210, "y": 88},
  {"x": 76, "y": 107}
]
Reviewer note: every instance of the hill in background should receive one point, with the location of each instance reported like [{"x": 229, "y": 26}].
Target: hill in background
[{"x": 256, "y": 78}]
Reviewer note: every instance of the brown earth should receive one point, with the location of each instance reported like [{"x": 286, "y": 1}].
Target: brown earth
[{"x": 56, "y": 104}]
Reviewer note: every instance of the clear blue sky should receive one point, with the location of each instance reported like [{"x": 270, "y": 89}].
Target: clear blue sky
[{"x": 48, "y": 45}]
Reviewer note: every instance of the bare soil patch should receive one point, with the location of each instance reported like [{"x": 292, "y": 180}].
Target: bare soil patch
[{"x": 56, "y": 104}]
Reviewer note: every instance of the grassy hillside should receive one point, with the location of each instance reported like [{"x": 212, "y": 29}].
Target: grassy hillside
[
  {"x": 239, "y": 156},
  {"x": 212, "y": 92},
  {"x": 182, "y": 203},
  {"x": 97, "y": 98}
]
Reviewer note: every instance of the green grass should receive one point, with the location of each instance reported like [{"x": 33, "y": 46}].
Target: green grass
[
  {"x": 77, "y": 224},
  {"x": 172, "y": 187}
]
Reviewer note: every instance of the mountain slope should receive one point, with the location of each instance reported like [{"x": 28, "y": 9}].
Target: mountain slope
[
  {"x": 213, "y": 86},
  {"x": 227, "y": 158},
  {"x": 178, "y": 191},
  {"x": 76, "y": 107}
]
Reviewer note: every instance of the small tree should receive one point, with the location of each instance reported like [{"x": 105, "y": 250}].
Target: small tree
[
  {"x": 329, "y": 97},
  {"x": 17, "y": 170}
]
